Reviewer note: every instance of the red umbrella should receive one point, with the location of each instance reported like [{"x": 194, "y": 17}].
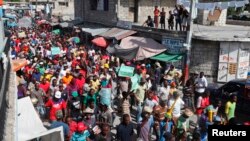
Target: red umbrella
[{"x": 100, "y": 41}]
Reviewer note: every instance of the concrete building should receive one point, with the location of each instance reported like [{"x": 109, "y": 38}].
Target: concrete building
[
  {"x": 58, "y": 7},
  {"x": 210, "y": 44},
  {"x": 111, "y": 11}
]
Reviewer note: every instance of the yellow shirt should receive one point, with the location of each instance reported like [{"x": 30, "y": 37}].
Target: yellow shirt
[
  {"x": 66, "y": 80},
  {"x": 95, "y": 84}
]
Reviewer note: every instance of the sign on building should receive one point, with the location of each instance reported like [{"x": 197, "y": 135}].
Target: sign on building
[
  {"x": 174, "y": 45},
  {"x": 234, "y": 60}
]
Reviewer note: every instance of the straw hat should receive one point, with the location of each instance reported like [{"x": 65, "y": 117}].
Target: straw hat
[
  {"x": 168, "y": 77},
  {"x": 158, "y": 64},
  {"x": 188, "y": 112},
  {"x": 88, "y": 110},
  {"x": 147, "y": 109},
  {"x": 78, "y": 68},
  {"x": 34, "y": 101}
]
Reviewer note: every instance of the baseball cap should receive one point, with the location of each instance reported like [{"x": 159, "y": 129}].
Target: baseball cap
[
  {"x": 58, "y": 94},
  {"x": 75, "y": 94},
  {"x": 81, "y": 127}
]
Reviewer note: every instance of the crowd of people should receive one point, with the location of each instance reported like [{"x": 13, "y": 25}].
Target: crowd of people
[
  {"x": 80, "y": 90},
  {"x": 178, "y": 17}
]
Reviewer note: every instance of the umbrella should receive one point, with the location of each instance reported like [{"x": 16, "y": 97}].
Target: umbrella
[
  {"x": 74, "y": 39},
  {"x": 25, "y": 22},
  {"x": 18, "y": 64},
  {"x": 57, "y": 31},
  {"x": 137, "y": 48},
  {"x": 64, "y": 24},
  {"x": 100, "y": 41},
  {"x": 167, "y": 57}
]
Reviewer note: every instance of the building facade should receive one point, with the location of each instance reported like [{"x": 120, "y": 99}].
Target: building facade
[
  {"x": 58, "y": 7},
  {"x": 111, "y": 11}
]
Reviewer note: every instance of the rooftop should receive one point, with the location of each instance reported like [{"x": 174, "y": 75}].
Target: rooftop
[{"x": 222, "y": 33}]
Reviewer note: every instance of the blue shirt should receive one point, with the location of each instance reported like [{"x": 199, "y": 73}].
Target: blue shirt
[
  {"x": 163, "y": 130},
  {"x": 80, "y": 136},
  {"x": 56, "y": 124},
  {"x": 125, "y": 132},
  {"x": 36, "y": 76}
]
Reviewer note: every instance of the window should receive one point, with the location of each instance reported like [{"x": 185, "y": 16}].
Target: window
[
  {"x": 100, "y": 5},
  {"x": 63, "y": 4}
]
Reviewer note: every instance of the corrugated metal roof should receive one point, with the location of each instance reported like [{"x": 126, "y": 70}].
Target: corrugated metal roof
[
  {"x": 117, "y": 33},
  {"x": 94, "y": 31}
]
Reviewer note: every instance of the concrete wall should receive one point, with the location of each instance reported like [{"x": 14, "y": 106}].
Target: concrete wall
[
  {"x": 205, "y": 57},
  {"x": 203, "y": 14},
  {"x": 121, "y": 9},
  {"x": 78, "y": 4},
  {"x": 238, "y": 22},
  {"x": 64, "y": 10},
  {"x": 126, "y": 10},
  {"x": 146, "y": 8},
  {"x": 104, "y": 17}
]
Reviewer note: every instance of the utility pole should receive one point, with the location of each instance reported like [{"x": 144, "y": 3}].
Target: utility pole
[
  {"x": 189, "y": 40},
  {"x": 36, "y": 4}
]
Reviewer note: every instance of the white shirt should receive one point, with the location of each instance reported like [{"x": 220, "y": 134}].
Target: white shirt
[
  {"x": 150, "y": 103},
  {"x": 164, "y": 92},
  {"x": 177, "y": 107},
  {"x": 201, "y": 82}
]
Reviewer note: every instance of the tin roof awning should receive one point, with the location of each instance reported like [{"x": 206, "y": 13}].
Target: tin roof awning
[
  {"x": 117, "y": 33},
  {"x": 94, "y": 31}
]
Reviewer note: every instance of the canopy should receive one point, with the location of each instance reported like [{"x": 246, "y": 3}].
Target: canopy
[
  {"x": 117, "y": 33},
  {"x": 25, "y": 22},
  {"x": 74, "y": 39},
  {"x": 94, "y": 31},
  {"x": 137, "y": 48},
  {"x": 28, "y": 130},
  {"x": 57, "y": 31},
  {"x": 18, "y": 64},
  {"x": 100, "y": 41},
  {"x": 166, "y": 57},
  {"x": 64, "y": 24}
]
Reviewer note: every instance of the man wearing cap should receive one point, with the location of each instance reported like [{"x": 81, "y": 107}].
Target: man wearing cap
[
  {"x": 74, "y": 105},
  {"x": 59, "y": 122},
  {"x": 175, "y": 104},
  {"x": 183, "y": 124},
  {"x": 55, "y": 104},
  {"x": 200, "y": 86},
  {"x": 105, "y": 117},
  {"x": 164, "y": 91},
  {"x": 39, "y": 93},
  {"x": 157, "y": 73},
  {"x": 89, "y": 117}
]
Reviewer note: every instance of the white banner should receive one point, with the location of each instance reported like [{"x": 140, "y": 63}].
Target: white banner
[
  {"x": 224, "y": 50},
  {"x": 222, "y": 72},
  {"x": 243, "y": 65}
]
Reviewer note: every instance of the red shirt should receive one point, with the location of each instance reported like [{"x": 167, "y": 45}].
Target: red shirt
[
  {"x": 55, "y": 106},
  {"x": 83, "y": 72},
  {"x": 45, "y": 86},
  {"x": 80, "y": 82},
  {"x": 72, "y": 127}
]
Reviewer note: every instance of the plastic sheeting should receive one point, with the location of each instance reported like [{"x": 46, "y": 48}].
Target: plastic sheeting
[{"x": 30, "y": 126}]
